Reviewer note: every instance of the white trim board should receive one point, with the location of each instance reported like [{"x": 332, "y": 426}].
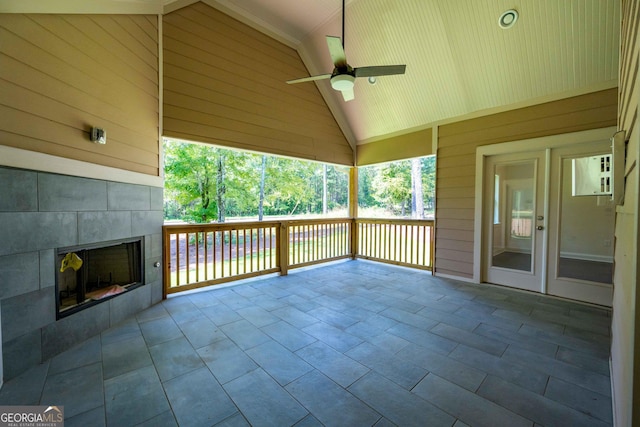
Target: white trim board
[
  {"x": 40, "y": 162},
  {"x": 586, "y": 257}
]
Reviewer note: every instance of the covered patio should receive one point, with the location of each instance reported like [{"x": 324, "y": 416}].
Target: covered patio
[{"x": 347, "y": 343}]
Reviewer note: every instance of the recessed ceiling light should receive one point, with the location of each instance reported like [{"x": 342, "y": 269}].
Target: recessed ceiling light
[
  {"x": 372, "y": 80},
  {"x": 508, "y": 19}
]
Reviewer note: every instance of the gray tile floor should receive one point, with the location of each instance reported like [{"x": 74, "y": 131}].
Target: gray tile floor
[{"x": 346, "y": 344}]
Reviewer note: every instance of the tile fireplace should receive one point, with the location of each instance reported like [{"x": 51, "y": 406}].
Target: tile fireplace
[
  {"x": 46, "y": 216},
  {"x": 91, "y": 274}
]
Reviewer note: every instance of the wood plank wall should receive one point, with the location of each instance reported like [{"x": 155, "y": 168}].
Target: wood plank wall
[
  {"x": 62, "y": 74},
  {"x": 629, "y": 63},
  {"x": 224, "y": 84},
  {"x": 457, "y": 143},
  {"x": 400, "y": 147},
  {"x": 625, "y": 328}
]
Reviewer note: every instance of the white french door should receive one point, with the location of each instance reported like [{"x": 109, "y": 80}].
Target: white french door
[
  {"x": 581, "y": 232},
  {"x": 535, "y": 233},
  {"x": 514, "y": 220}
]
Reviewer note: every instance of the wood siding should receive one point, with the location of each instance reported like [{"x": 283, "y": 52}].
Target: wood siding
[
  {"x": 400, "y": 147},
  {"x": 224, "y": 84},
  {"x": 60, "y": 75},
  {"x": 629, "y": 62},
  {"x": 457, "y": 143},
  {"x": 625, "y": 329}
]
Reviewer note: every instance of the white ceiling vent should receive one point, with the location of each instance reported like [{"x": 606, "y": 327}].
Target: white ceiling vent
[{"x": 508, "y": 19}]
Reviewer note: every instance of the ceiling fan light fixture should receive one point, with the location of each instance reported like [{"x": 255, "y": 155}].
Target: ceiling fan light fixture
[
  {"x": 372, "y": 80},
  {"x": 508, "y": 19},
  {"x": 342, "y": 82}
]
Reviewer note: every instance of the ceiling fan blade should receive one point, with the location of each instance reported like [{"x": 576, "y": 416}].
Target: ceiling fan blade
[
  {"x": 379, "y": 70},
  {"x": 309, "y": 79},
  {"x": 348, "y": 94},
  {"x": 336, "y": 51}
]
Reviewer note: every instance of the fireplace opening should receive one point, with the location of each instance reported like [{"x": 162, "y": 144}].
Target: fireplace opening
[{"x": 90, "y": 274}]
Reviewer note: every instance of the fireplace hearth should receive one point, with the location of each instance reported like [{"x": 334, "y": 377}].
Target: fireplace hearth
[{"x": 90, "y": 274}]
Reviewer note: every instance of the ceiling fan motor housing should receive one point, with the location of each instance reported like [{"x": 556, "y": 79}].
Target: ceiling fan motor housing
[{"x": 342, "y": 82}]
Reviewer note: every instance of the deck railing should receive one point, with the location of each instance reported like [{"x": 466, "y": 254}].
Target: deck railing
[
  {"x": 315, "y": 241},
  {"x": 198, "y": 255},
  {"x": 401, "y": 242},
  {"x": 207, "y": 254}
]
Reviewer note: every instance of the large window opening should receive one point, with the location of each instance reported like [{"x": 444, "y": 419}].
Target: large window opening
[
  {"x": 204, "y": 184},
  {"x": 401, "y": 189}
]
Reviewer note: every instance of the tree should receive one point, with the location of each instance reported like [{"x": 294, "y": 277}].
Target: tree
[
  {"x": 220, "y": 187},
  {"x": 366, "y": 175},
  {"x": 263, "y": 172},
  {"x": 417, "y": 205},
  {"x": 188, "y": 172},
  {"x": 429, "y": 182},
  {"x": 288, "y": 186},
  {"x": 393, "y": 186},
  {"x": 205, "y": 183},
  {"x": 324, "y": 189}
]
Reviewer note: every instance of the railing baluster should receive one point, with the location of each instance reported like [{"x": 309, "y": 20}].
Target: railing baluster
[
  {"x": 177, "y": 259},
  {"x": 274, "y": 247},
  {"x": 264, "y": 247},
  {"x": 305, "y": 240},
  {"x": 230, "y": 253},
  {"x": 424, "y": 245},
  {"x": 411, "y": 244},
  {"x": 217, "y": 254},
  {"x": 223, "y": 238},
  {"x": 237, "y": 246},
  {"x": 244, "y": 250}
]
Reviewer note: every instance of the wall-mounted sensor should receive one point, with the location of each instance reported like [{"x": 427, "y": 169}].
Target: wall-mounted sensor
[{"x": 97, "y": 135}]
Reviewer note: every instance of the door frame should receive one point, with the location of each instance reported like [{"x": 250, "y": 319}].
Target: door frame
[{"x": 521, "y": 146}]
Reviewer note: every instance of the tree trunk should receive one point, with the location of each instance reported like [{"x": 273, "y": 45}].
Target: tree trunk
[
  {"x": 220, "y": 188},
  {"x": 262, "y": 179},
  {"x": 417, "y": 203},
  {"x": 324, "y": 189},
  {"x": 204, "y": 198}
]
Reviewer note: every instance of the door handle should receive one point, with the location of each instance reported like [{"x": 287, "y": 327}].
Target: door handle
[{"x": 540, "y": 227}]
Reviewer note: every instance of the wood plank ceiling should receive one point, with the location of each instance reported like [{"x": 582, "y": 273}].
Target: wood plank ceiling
[{"x": 459, "y": 61}]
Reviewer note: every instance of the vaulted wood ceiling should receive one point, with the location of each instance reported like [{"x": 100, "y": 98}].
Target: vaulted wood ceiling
[{"x": 459, "y": 61}]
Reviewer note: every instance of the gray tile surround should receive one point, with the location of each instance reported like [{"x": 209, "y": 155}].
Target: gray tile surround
[
  {"x": 172, "y": 364},
  {"x": 40, "y": 212}
]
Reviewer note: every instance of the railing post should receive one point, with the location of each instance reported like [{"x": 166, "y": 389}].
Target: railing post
[
  {"x": 166, "y": 262},
  {"x": 283, "y": 248},
  {"x": 353, "y": 209},
  {"x": 354, "y": 238},
  {"x": 432, "y": 247}
]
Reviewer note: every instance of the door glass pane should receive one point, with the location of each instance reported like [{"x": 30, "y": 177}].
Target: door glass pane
[
  {"x": 586, "y": 233},
  {"x": 513, "y": 215}
]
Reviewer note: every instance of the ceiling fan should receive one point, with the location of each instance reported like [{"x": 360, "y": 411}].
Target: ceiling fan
[{"x": 343, "y": 76}]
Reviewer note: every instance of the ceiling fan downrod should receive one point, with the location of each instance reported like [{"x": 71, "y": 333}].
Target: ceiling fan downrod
[{"x": 344, "y": 12}]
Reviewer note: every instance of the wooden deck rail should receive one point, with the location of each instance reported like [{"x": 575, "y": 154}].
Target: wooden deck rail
[
  {"x": 198, "y": 255},
  {"x": 206, "y": 254},
  {"x": 316, "y": 241},
  {"x": 396, "y": 241}
]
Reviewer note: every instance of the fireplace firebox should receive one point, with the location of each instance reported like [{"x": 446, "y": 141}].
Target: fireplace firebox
[{"x": 90, "y": 274}]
